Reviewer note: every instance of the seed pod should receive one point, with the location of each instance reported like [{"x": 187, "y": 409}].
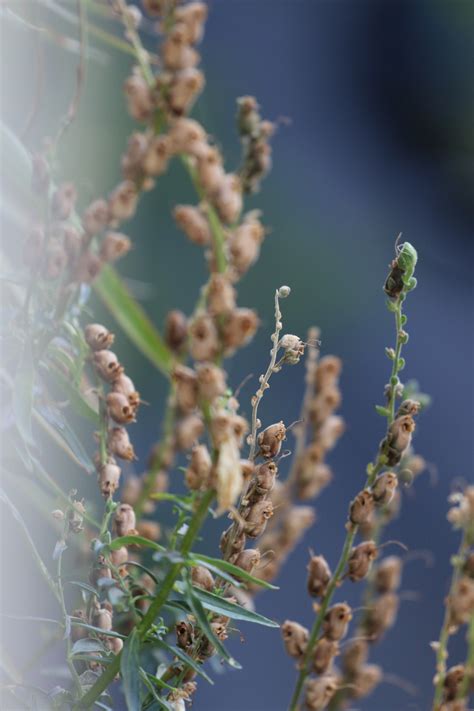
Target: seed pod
[
  {"x": 227, "y": 198},
  {"x": 114, "y": 246},
  {"x": 408, "y": 407},
  {"x": 155, "y": 160},
  {"x": 248, "y": 468},
  {"x": 231, "y": 549},
  {"x": 210, "y": 170},
  {"x": 324, "y": 653},
  {"x": 262, "y": 482},
  {"x": 239, "y": 328},
  {"x": 193, "y": 223},
  {"x": 96, "y": 217},
  {"x": 319, "y": 576},
  {"x": 76, "y": 631},
  {"x": 244, "y": 243},
  {"x": 140, "y": 100},
  {"x": 176, "y": 52},
  {"x": 88, "y": 268},
  {"x": 319, "y": 692},
  {"x": 187, "y": 136},
  {"x": 124, "y": 386},
  {"x": 109, "y": 479},
  {"x": 64, "y": 200},
  {"x": 188, "y": 431},
  {"x": 120, "y": 409},
  {"x": 102, "y": 618},
  {"x": 360, "y": 560},
  {"x": 123, "y": 202},
  {"x": 361, "y": 508},
  {"x": 107, "y": 365},
  {"x": 355, "y": 656},
  {"x": 184, "y": 89},
  {"x": 398, "y": 439},
  {"x": 323, "y": 405},
  {"x": 98, "y": 337},
  {"x": 336, "y": 621},
  {"x": 388, "y": 574},
  {"x": 270, "y": 440},
  {"x": 452, "y": 681},
  {"x": 184, "y": 634},
  {"x": 211, "y": 381},
  {"x": 192, "y": 16},
  {"x": 124, "y": 520},
  {"x": 119, "y": 556},
  {"x": 328, "y": 371},
  {"x": 203, "y": 338},
  {"x": 113, "y": 644},
  {"x": 330, "y": 431},
  {"x": 186, "y": 387},
  {"x": 256, "y": 518},
  {"x": 381, "y": 615},
  {"x": 295, "y": 638},
  {"x": 197, "y": 473},
  {"x": 149, "y": 529},
  {"x": 365, "y": 679},
  {"x": 293, "y": 347},
  {"x": 202, "y": 578},
  {"x": 384, "y": 488},
  {"x": 460, "y": 601},
  {"x": 248, "y": 559},
  {"x": 220, "y": 295},
  {"x": 118, "y": 443},
  {"x": 176, "y": 330}
]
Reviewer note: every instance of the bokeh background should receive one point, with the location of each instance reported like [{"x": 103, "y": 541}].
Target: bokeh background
[{"x": 376, "y": 138}]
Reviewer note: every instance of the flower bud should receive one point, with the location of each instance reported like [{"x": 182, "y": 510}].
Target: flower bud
[
  {"x": 120, "y": 409},
  {"x": 319, "y": 576},
  {"x": 119, "y": 444},
  {"x": 361, "y": 508},
  {"x": 295, "y": 638},
  {"x": 193, "y": 223},
  {"x": 124, "y": 520},
  {"x": 336, "y": 621},
  {"x": 270, "y": 440},
  {"x": 98, "y": 337},
  {"x": 109, "y": 479},
  {"x": 96, "y": 217},
  {"x": 360, "y": 560},
  {"x": 202, "y": 578},
  {"x": 107, "y": 365}
]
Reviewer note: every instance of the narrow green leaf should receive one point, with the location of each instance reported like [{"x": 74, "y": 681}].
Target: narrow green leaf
[
  {"x": 189, "y": 661},
  {"x": 85, "y": 646},
  {"x": 382, "y": 411},
  {"x": 133, "y": 319},
  {"x": 193, "y": 599},
  {"x": 134, "y": 541},
  {"x": 129, "y": 669},
  {"x": 97, "y": 630},
  {"x": 59, "y": 430},
  {"x": 234, "y": 570},
  {"x": 150, "y": 681}
]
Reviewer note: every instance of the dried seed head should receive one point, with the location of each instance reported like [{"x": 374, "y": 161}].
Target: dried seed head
[
  {"x": 98, "y": 337},
  {"x": 187, "y": 136},
  {"x": 132, "y": 489},
  {"x": 119, "y": 444},
  {"x": 355, "y": 656},
  {"x": 460, "y": 601},
  {"x": 64, "y": 201},
  {"x": 227, "y": 198},
  {"x": 312, "y": 479},
  {"x": 324, "y": 404},
  {"x": 319, "y": 575},
  {"x": 244, "y": 243},
  {"x": 360, "y": 560},
  {"x": 319, "y": 692},
  {"x": 186, "y": 387},
  {"x": 202, "y": 578},
  {"x": 109, "y": 479},
  {"x": 149, "y": 529},
  {"x": 119, "y": 556},
  {"x": 140, "y": 100},
  {"x": 211, "y": 381},
  {"x": 96, "y": 217},
  {"x": 124, "y": 520},
  {"x": 156, "y": 156},
  {"x": 295, "y": 638},
  {"x": 384, "y": 488},
  {"x": 102, "y": 618},
  {"x": 188, "y": 431},
  {"x": 220, "y": 295},
  {"x": 231, "y": 545},
  {"x": 88, "y": 268},
  {"x": 176, "y": 330},
  {"x": 256, "y": 518},
  {"x": 330, "y": 431},
  {"x": 336, "y": 621},
  {"x": 192, "y": 16},
  {"x": 114, "y": 246},
  {"x": 107, "y": 365},
  {"x": 388, "y": 574},
  {"x": 197, "y": 473},
  {"x": 184, "y": 89},
  {"x": 120, "y": 409},
  {"x": 210, "y": 169},
  {"x": 175, "y": 52},
  {"x": 365, "y": 679},
  {"x": 293, "y": 347},
  {"x": 184, "y": 634},
  {"x": 124, "y": 386},
  {"x": 204, "y": 339},
  {"x": 324, "y": 653},
  {"x": 398, "y": 439},
  {"x": 193, "y": 223},
  {"x": 262, "y": 482},
  {"x": 361, "y": 508},
  {"x": 381, "y": 615},
  {"x": 228, "y": 479},
  {"x": 123, "y": 201},
  {"x": 248, "y": 559},
  {"x": 270, "y": 440},
  {"x": 328, "y": 371},
  {"x": 452, "y": 681}
]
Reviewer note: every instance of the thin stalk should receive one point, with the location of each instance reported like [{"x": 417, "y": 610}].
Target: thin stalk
[
  {"x": 469, "y": 666},
  {"x": 112, "y": 669},
  {"x": 70, "y": 663},
  {"x": 396, "y": 361}
]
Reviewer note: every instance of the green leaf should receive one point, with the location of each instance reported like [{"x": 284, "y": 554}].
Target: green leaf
[
  {"x": 23, "y": 394},
  {"x": 97, "y": 630},
  {"x": 129, "y": 669},
  {"x": 59, "y": 430},
  {"x": 383, "y": 411},
  {"x": 133, "y": 319},
  {"x": 134, "y": 541},
  {"x": 85, "y": 646},
  {"x": 234, "y": 570},
  {"x": 150, "y": 682},
  {"x": 189, "y": 661},
  {"x": 193, "y": 599}
]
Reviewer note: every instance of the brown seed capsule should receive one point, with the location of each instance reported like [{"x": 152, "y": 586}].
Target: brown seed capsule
[
  {"x": 408, "y": 407},
  {"x": 256, "y": 518},
  {"x": 119, "y": 556},
  {"x": 460, "y": 602},
  {"x": 102, "y": 618},
  {"x": 230, "y": 544},
  {"x": 328, "y": 371},
  {"x": 184, "y": 89},
  {"x": 140, "y": 100},
  {"x": 227, "y": 198},
  {"x": 88, "y": 268},
  {"x": 245, "y": 242},
  {"x": 360, "y": 560},
  {"x": 295, "y": 638},
  {"x": 204, "y": 338},
  {"x": 155, "y": 159},
  {"x": 270, "y": 440},
  {"x": 452, "y": 681},
  {"x": 262, "y": 482},
  {"x": 176, "y": 330},
  {"x": 119, "y": 444},
  {"x": 210, "y": 169},
  {"x": 202, "y": 578},
  {"x": 176, "y": 52},
  {"x": 149, "y": 529},
  {"x": 398, "y": 439},
  {"x": 336, "y": 621},
  {"x": 123, "y": 202},
  {"x": 319, "y": 576},
  {"x": 107, "y": 365},
  {"x": 192, "y": 16},
  {"x": 124, "y": 520},
  {"x": 388, "y": 574},
  {"x": 75, "y": 516},
  {"x": 248, "y": 559},
  {"x": 64, "y": 200},
  {"x": 113, "y": 644},
  {"x": 330, "y": 431},
  {"x": 184, "y": 634},
  {"x": 381, "y": 615},
  {"x": 220, "y": 295},
  {"x": 188, "y": 431},
  {"x": 365, "y": 679},
  {"x": 384, "y": 488},
  {"x": 187, "y": 136},
  {"x": 361, "y": 508},
  {"x": 113, "y": 246},
  {"x": 98, "y": 337},
  {"x": 124, "y": 386},
  {"x": 319, "y": 692},
  {"x": 211, "y": 381},
  {"x": 186, "y": 387},
  {"x": 355, "y": 656},
  {"x": 194, "y": 224},
  {"x": 324, "y": 653},
  {"x": 109, "y": 479},
  {"x": 120, "y": 409},
  {"x": 239, "y": 328},
  {"x": 96, "y": 217},
  {"x": 197, "y": 473}
]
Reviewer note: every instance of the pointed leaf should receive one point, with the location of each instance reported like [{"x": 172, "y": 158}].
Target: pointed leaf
[
  {"x": 129, "y": 669},
  {"x": 232, "y": 569},
  {"x": 189, "y": 661},
  {"x": 85, "y": 646}
]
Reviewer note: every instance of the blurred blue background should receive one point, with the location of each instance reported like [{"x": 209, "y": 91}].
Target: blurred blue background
[{"x": 379, "y": 97}]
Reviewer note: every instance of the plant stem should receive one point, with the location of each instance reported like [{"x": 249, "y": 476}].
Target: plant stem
[
  {"x": 113, "y": 668},
  {"x": 469, "y": 666},
  {"x": 396, "y": 361}
]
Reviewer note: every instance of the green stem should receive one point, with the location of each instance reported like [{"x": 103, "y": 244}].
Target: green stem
[
  {"x": 112, "y": 669},
  {"x": 398, "y": 350}
]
